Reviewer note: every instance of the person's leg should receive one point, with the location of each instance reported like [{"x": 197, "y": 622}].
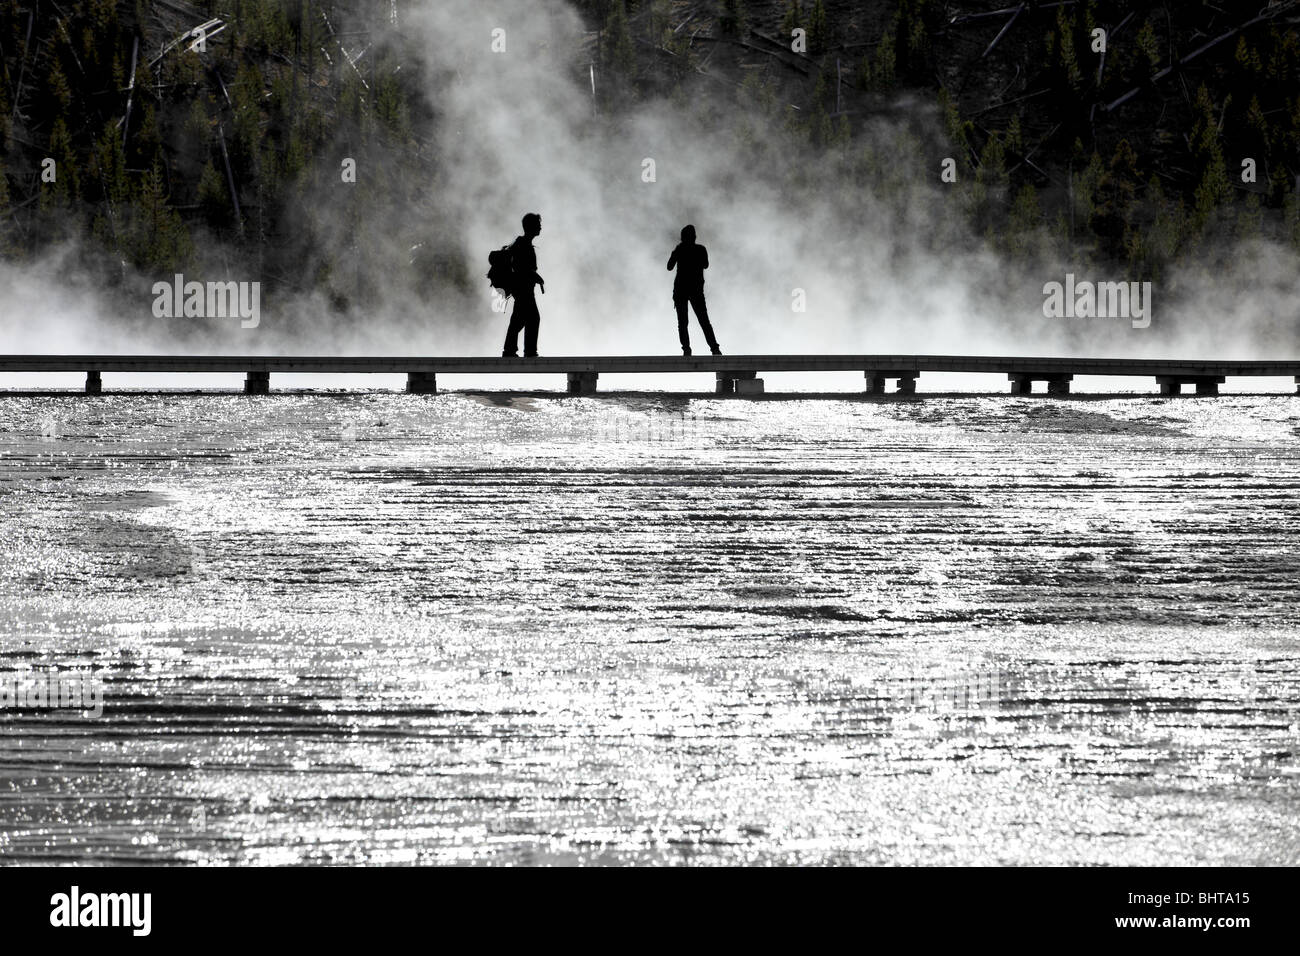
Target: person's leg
[
  {"x": 702, "y": 315},
  {"x": 532, "y": 323},
  {"x": 683, "y": 333},
  {"x": 511, "y": 348}
]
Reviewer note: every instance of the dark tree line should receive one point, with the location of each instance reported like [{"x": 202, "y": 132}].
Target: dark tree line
[
  {"x": 198, "y": 156},
  {"x": 1133, "y": 158}
]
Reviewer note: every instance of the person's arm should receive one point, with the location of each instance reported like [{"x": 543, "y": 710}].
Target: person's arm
[
  {"x": 672, "y": 260},
  {"x": 704, "y": 258}
]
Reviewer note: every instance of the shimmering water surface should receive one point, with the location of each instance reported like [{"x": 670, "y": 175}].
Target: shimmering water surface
[{"x": 389, "y": 628}]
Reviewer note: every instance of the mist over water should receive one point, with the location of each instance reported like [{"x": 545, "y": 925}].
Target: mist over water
[{"x": 896, "y": 269}]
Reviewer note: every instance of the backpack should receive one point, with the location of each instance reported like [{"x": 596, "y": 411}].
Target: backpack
[{"x": 500, "y": 274}]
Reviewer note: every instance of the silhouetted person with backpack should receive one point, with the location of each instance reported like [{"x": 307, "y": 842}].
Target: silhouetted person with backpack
[
  {"x": 691, "y": 259},
  {"x": 523, "y": 270}
]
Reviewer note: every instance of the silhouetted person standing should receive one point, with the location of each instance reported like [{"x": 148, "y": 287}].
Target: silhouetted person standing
[
  {"x": 691, "y": 259},
  {"x": 523, "y": 269}
]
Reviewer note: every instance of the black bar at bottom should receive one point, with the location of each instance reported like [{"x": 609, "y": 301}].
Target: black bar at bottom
[{"x": 1232, "y": 909}]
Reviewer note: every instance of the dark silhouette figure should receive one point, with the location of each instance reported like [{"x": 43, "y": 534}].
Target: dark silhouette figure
[
  {"x": 691, "y": 260},
  {"x": 523, "y": 269}
]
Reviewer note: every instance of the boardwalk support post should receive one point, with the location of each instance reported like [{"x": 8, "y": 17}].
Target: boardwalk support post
[
  {"x": 1022, "y": 383},
  {"x": 421, "y": 383},
  {"x": 1205, "y": 384},
  {"x": 582, "y": 383},
  {"x": 877, "y": 379},
  {"x": 94, "y": 384},
  {"x": 257, "y": 383},
  {"x": 729, "y": 383}
]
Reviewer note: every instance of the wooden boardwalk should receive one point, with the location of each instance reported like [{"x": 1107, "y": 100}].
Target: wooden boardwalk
[{"x": 733, "y": 374}]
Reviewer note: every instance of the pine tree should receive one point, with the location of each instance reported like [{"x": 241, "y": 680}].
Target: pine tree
[
  {"x": 884, "y": 69},
  {"x": 1068, "y": 53},
  {"x": 157, "y": 238},
  {"x": 913, "y": 40},
  {"x": 198, "y": 128},
  {"x": 66, "y": 188},
  {"x": 1149, "y": 47},
  {"x": 246, "y": 97},
  {"x": 1153, "y": 246},
  {"x": 1023, "y": 222},
  {"x": 732, "y": 20},
  {"x": 7, "y": 245},
  {"x": 295, "y": 159},
  {"x": 959, "y": 131},
  {"x": 1085, "y": 187},
  {"x": 214, "y": 202},
  {"x": 1115, "y": 197},
  {"x": 1256, "y": 143},
  {"x": 146, "y": 141},
  {"x": 1291, "y": 216},
  {"x": 1250, "y": 219},
  {"x": 391, "y": 109},
  {"x": 992, "y": 173},
  {"x": 1213, "y": 190},
  {"x": 57, "y": 85},
  {"x": 618, "y": 53},
  {"x": 4, "y": 121},
  {"x": 819, "y": 33},
  {"x": 1247, "y": 59},
  {"x": 1015, "y": 137},
  {"x": 793, "y": 18},
  {"x": 109, "y": 168}
]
